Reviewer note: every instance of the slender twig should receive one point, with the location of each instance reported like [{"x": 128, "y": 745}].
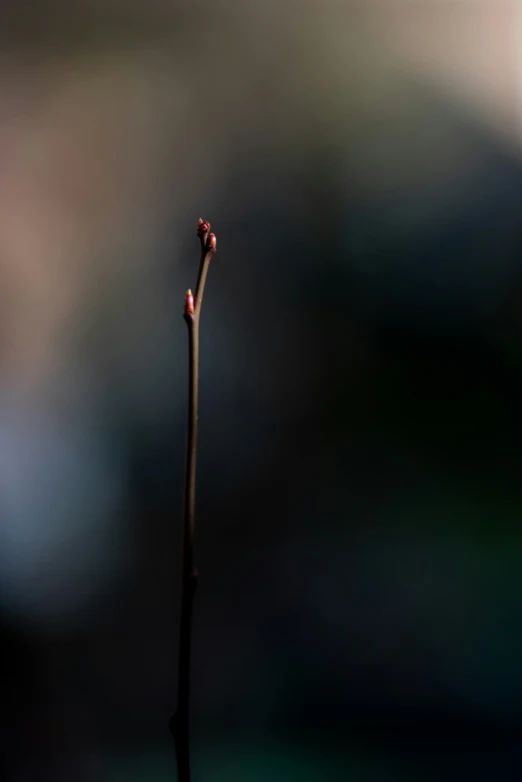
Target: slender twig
[{"x": 179, "y": 724}]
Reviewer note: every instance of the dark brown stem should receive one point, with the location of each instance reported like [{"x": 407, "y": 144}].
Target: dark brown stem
[
  {"x": 200, "y": 285},
  {"x": 179, "y": 725}
]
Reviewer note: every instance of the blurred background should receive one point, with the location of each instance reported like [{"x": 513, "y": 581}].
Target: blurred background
[{"x": 359, "y": 493}]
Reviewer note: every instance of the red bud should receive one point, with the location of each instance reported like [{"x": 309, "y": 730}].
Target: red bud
[
  {"x": 211, "y": 243},
  {"x": 189, "y": 303},
  {"x": 203, "y": 227}
]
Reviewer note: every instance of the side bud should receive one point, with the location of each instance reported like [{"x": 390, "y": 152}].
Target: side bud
[
  {"x": 189, "y": 303},
  {"x": 211, "y": 243}
]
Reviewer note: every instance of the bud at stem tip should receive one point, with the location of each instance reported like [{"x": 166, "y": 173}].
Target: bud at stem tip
[{"x": 203, "y": 226}]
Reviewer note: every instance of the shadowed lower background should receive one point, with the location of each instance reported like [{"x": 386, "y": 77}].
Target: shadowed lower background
[{"x": 358, "y": 512}]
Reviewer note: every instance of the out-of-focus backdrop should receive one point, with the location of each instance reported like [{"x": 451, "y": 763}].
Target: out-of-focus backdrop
[{"x": 359, "y": 479}]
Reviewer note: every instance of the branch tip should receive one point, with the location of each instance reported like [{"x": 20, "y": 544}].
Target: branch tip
[{"x": 203, "y": 227}]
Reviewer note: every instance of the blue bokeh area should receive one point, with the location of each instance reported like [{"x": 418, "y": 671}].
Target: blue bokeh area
[{"x": 358, "y": 531}]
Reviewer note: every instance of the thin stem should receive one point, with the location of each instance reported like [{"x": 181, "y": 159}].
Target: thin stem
[
  {"x": 189, "y": 493},
  {"x": 200, "y": 285},
  {"x": 180, "y": 721},
  {"x": 189, "y": 574}
]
